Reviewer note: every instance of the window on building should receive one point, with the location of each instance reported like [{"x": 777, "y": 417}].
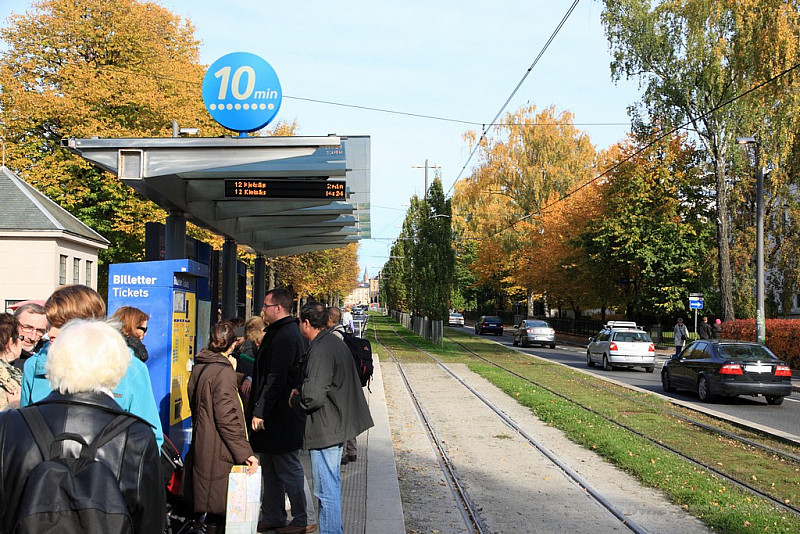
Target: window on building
[
  {"x": 62, "y": 270},
  {"x": 76, "y": 270},
  {"x": 88, "y": 281}
]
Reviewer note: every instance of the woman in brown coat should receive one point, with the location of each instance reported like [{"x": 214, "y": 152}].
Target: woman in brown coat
[{"x": 220, "y": 435}]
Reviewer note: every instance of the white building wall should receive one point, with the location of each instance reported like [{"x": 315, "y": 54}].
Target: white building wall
[{"x": 31, "y": 266}]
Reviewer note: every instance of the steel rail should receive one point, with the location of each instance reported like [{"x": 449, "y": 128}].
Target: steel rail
[
  {"x": 742, "y": 485},
  {"x": 468, "y": 510},
  {"x": 571, "y": 474}
]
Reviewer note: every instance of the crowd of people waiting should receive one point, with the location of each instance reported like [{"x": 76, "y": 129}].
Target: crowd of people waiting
[{"x": 259, "y": 392}]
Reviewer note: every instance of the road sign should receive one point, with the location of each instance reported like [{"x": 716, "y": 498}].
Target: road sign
[{"x": 695, "y": 303}]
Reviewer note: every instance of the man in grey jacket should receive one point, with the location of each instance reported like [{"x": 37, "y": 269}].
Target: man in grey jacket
[{"x": 335, "y": 409}]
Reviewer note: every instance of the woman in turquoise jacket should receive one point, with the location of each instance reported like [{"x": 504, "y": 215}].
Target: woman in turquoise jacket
[{"x": 134, "y": 392}]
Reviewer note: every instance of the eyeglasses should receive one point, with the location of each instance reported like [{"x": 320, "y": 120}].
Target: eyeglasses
[
  {"x": 269, "y": 305},
  {"x": 142, "y": 328},
  {"x": 28, "y": 329}
]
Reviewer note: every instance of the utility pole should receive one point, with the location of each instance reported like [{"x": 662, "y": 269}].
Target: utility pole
[{"x": 426, "y": 167}]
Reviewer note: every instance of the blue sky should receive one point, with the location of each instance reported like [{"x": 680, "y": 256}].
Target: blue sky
[{"x": 453, "y": 59}]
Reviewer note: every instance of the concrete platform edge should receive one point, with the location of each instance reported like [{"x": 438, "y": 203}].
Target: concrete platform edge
[{"x": 384, "y": 503}]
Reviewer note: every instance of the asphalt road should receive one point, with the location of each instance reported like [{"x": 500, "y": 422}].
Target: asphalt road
[{"x": 785, "y": 417}]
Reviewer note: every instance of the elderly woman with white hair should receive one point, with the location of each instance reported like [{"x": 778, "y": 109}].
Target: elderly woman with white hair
[{"x": 84, "y": 366}]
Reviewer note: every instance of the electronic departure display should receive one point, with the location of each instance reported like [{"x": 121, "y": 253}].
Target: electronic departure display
[{"x": 263, "y": 188}]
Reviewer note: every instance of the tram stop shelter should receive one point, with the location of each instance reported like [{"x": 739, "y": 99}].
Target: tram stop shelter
[{"x": 275, "y": 196}]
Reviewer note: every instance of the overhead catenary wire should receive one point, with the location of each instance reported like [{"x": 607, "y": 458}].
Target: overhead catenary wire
[
  {"x": 361, "y": 107},
  {"x": 642, "y": 149},
  {"x": 487, "y": 127}
]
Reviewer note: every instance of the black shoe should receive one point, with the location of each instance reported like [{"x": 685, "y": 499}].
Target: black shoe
[
  {"x": 345, "y": 460},
  {"x": 352, "y": 457}
]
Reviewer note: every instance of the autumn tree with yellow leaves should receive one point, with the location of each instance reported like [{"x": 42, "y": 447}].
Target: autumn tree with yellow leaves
[
  {"x": 108, "y": 68},
  {"x": 325, "y": 275},
  {"x": 532, "y": 159}
]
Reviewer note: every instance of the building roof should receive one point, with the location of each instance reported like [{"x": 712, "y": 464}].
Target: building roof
[{"x": 26, "y": 210}]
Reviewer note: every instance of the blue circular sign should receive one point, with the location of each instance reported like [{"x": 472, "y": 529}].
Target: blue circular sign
[{"x": 242, "y": 92}]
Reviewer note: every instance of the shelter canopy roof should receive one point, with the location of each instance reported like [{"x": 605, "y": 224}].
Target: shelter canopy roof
[{"x": 187, "y": 175}]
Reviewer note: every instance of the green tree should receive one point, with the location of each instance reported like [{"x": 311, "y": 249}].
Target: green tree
[
  {"x": 652, "y": 236},
  {"x": 695, "y": 59},
  {"x": 393, "y": 275},
  {"x": 464, "y": 292},
  {"x": 420, "y": 268},
  {"x": 432, "y": 256}
]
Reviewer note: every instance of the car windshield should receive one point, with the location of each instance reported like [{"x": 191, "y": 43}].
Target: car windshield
[
  {"x": 538, "y": 324},
  {"x": 632, "y": 337},
  {"x": 492, "y": 320},
  {"x": 455, "y": 315},
  {"x": 742, "y": 351}
]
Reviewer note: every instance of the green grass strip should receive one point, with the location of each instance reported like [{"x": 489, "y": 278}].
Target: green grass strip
[{"x": 721, "y": 505}]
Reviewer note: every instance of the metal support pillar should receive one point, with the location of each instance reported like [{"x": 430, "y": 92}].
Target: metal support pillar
[
  {"x": 259, "y": 283},
  {"x": 175, "y": 236},
  {"x": 228, "y": 279}
]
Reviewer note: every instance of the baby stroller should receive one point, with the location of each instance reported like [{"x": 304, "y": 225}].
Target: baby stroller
[{"x": 180, "y": 519}]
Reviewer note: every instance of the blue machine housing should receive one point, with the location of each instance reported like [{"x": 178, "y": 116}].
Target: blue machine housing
[{"x": 176, "y": 296}]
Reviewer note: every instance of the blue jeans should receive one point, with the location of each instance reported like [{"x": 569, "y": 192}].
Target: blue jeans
[{"x": 328, "y": 487}]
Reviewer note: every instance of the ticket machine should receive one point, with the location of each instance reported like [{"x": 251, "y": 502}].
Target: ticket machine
[{"x": 175, "y": 294}]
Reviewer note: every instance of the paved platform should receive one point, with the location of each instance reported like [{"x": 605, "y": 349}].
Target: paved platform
[{"x": 370, "y": 491}]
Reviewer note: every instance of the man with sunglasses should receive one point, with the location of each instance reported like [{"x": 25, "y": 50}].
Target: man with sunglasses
[{"x": 32, "y": 326}]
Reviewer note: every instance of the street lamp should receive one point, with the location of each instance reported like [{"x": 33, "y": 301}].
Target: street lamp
[{"x": 760, "y": 322}]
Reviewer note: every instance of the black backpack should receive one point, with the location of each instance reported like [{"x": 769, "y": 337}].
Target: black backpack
[
  {"x": 72, "y": 495},
  {"x": 362, "y": 355}
]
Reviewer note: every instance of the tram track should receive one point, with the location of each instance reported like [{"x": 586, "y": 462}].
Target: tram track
[
  {"x": 776, "y": 501},
  {"x": 469, "y": 509}
]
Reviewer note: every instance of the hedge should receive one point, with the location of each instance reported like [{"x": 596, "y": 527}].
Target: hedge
[{"x": 782, "y": 336}]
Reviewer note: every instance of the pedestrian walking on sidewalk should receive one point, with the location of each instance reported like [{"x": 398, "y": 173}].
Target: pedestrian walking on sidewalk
[
  {"x": 704, "y": 329},
  {"x": 681, "y": 334}
]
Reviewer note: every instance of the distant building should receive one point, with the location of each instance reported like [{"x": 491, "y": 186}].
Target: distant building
[
  {"x": 42, "y": 245},
  {"x": 360, "y": 294}
]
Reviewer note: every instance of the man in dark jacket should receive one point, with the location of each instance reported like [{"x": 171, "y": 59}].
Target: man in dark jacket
[
  {"x": 704, "y": 329},
  {"x": 277, "y": 429},
  {"x": 85, "y": 409},
  {"x": 335, "y": 409}
]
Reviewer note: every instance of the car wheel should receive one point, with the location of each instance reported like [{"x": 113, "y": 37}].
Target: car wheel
[
  {"x": 775, "y": 400},
  {"x": 649, "y": 369},
  {"x": 589, "y": 361},
  {"x": 665, "y": 383},
  {"x": 702, "y": 390},
  {"x": 606, "y": 365},
  {"x": 552, "y": 345},
  {"x": 501, "y": 333},
  {"x": 523, "y": 342}
]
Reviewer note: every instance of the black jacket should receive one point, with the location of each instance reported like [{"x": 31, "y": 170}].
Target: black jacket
[
  {"x": 278, "y": 370},
  {"x": 133, "y": 455}
]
